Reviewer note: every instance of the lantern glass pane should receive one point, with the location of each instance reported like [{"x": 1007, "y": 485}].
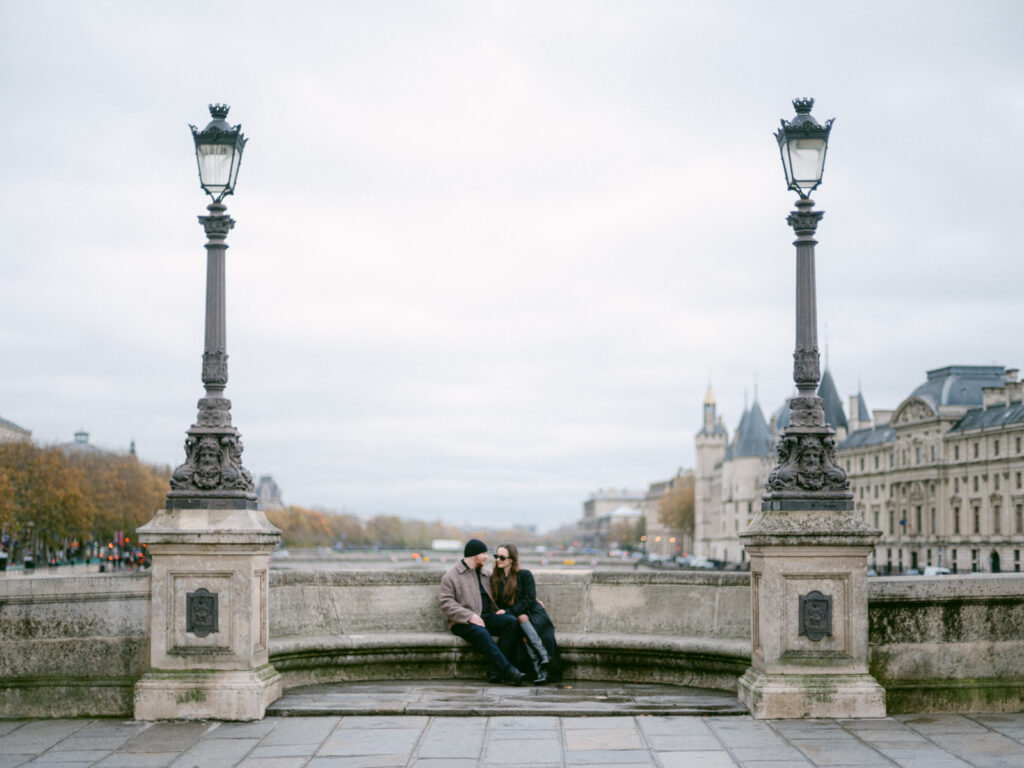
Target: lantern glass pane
[
  {"x": 215, "y": 161},
  {"x": 806, "y": 159}
]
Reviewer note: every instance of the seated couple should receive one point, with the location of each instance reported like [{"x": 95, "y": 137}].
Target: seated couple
[{"x": 503, "y": 604}]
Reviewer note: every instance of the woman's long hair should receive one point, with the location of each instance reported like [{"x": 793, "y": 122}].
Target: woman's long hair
[{"x": 499, "y": 584}]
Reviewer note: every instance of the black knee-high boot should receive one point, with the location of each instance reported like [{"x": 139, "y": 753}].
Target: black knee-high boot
[{"x": 537, "y": 652}]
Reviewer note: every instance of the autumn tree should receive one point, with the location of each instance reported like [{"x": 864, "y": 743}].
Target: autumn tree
[
  {"x": 56, "y": 498},
  {"x": 44, "y": 498},
  {"x": 301, "y": 527},
  {"x": 123, "y": 492},
  {"x": 625, "y": 532},
  {"x": 676, "y": 507}
]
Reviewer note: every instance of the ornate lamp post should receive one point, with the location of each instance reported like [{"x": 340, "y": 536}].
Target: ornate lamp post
[
  {"x": 210, "y": 547},
  {"x": 808, "y": 551},
  {"x": 807, "y": 475},
  {"x": 212, "y": 475}
]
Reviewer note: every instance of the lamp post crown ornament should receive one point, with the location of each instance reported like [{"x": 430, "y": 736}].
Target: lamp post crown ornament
[
  {"x": 807, "y": 476},
  {"x": 212, "y": 475}
]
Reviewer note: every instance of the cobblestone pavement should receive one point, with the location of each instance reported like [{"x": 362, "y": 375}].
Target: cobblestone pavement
[{"x": 421, "y": 741}]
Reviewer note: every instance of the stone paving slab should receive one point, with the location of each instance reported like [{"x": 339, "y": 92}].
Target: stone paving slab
[{"x": 520, "y": 741}]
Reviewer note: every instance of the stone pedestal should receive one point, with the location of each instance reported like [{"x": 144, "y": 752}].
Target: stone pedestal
[
  {"x": 208, "y": 617},
  {"x": 809, "y": 617}
]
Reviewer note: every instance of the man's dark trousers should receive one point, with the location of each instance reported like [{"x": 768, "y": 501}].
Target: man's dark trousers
[{"x": 506, "y": 627}]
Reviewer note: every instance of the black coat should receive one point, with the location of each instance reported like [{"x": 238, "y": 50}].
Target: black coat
[{"x": 525, "y": 601}]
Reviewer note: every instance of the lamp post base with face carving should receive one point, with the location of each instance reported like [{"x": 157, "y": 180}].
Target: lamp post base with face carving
[
  {"x": 808, "y": 548},
  {"x": 210, "y": 551}
]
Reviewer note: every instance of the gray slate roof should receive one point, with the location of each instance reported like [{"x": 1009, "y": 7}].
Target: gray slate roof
[
  {"x": 869, "y": 436},
  {"x": 863, "y": 414},
  {"x": 782, "y": 416},
  {"x": 752, "y": 436},
  {"x": 959, "y": 384},
  {"x": 834, "y": 414},
  {"x": 993, "y": 416}
]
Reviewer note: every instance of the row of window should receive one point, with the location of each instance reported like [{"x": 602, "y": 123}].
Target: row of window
[
  {"x": 904, "y": 455},
  {"x": 992, "y": 563},
  {"x": 907, "y": 528},
  {"x": 879, "y": 489}
]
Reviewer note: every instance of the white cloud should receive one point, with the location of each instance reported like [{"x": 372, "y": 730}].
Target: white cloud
[{"x": 487, "y": 257}]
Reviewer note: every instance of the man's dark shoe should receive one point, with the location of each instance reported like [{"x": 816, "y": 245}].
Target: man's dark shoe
[
  {"x": 515, "y": 677},
  {"x": 494, "y": 678}
]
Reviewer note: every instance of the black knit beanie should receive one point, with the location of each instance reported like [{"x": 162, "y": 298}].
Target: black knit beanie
[{"x": 474, "y": 547}]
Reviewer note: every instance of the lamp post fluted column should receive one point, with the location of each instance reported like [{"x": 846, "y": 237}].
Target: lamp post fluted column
[
  {"x": 212, "y": 475},
  {"x": 806, "y": 361},
  {"x": 215, "y": 358},
  {"x": 807, "y": 475}
]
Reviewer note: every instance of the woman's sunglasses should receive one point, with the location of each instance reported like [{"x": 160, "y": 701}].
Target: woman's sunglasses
[{"x": 502, "y": 557}]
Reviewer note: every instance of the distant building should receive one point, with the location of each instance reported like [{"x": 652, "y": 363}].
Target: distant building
[
  {"x": 81, "y": 445},
  {"x": 606, "y": 507},
  {"x": 607, "y": 513},
  {"x": 10, "y": 431},
  {"x": 661, "y": 539},
  {"x": 268, "y": 495},
  {"x": 942, "y": 475},
  {"x": 730, "y": 476}
]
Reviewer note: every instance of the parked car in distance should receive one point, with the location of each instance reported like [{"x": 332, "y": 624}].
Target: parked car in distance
[
  {"x": 701, "y": 562},
  {"x": 911, "y": 572},
  {"x": 935, "y": 570}
]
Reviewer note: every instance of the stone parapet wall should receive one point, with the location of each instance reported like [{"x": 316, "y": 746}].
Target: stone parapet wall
[
  {"x": 72, "y": 646},
  {"x": 948, "y": 644},
  {"x": 76, "y": 645},
  {"x": 689, "y": 603},
  {"x": 682, "y": 627}
]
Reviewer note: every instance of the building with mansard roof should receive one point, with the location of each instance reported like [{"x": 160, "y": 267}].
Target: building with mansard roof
[{"x": 942, "y": 475}]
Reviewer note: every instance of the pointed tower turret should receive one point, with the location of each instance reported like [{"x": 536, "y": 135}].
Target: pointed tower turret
[
  {"x": 834, "y": 414},
  {"x": 710, "y": 442}
]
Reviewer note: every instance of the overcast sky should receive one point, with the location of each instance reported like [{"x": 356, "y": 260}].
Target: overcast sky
[{"x": 489, "y": 255}]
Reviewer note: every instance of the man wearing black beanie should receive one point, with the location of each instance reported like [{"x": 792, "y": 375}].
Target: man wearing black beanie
[{"x": 468, "y": 606}]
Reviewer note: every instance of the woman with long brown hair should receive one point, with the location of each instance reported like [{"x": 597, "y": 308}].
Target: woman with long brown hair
[{"x": 515, "y": 592}]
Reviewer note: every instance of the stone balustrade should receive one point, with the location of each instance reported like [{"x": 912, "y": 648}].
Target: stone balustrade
[
  {"x": 72, "y": 646},
  {"x": 949, "y": 643},
  {"x": 75, "y": 646}
]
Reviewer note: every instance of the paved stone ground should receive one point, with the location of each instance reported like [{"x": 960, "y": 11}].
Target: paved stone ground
[
  {"x": 452, "y": 698},
  {"x": 420, "y": 741}
]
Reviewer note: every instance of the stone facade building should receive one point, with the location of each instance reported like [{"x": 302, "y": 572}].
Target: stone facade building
[
  {"x": 268, "y": 494},
  {"x": 942, "y": 476},
  {"x": 606, "y": 510},
  {"x": 11, "y": 431},
  {"x": 730, "y": 480},
  {"x": 606, "y": 507},
  {"x": 730, "y": 476}
]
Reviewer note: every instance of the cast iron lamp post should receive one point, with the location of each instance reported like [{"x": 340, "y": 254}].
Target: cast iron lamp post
[
  {"x": 212, "y": 476},
  {"x": 807, "y": 476},
  {"x": 808, "y": 548},
  {"x": 210, "y": 548}
]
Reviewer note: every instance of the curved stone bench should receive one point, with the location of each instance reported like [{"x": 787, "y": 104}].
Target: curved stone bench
[{"x": 685, "y": 628}]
